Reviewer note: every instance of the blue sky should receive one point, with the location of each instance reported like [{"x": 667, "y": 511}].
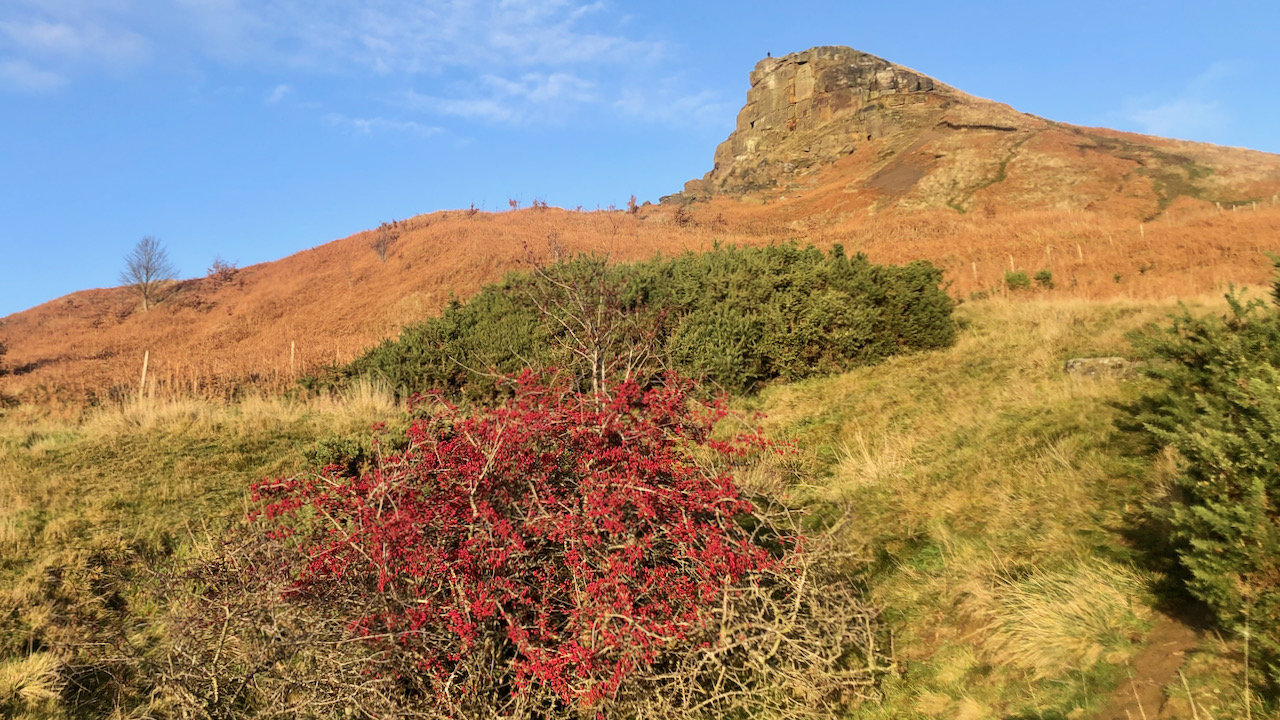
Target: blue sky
[{"x": 253, "y": 129}]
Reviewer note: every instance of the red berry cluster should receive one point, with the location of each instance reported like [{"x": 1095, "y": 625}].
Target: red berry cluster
[{"x": 572, "y": 537}]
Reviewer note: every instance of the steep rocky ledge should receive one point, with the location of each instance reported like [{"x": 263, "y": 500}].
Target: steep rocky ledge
[{"x": 811, "y": 108}]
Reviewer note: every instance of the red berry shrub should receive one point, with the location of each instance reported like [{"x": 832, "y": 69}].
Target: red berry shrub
[
  {"x": 564, "y": 553},
  {"x": 538, "y": 554}
]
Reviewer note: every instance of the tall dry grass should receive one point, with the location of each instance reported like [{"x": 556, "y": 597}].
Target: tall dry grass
[
  {"x": 1058, "y": 622},
  {"x": 30, "y": 686},
  {"x": 368, "y": 400},
  {"x": 92, "y": 507}
]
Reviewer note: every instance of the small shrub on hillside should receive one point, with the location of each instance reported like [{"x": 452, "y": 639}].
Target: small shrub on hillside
[
  {"x": 1044, "y": 279},
  {"x": 564, "y": 553},
  {"x": 221, "y": 271},
  {"x": 1017, "y": 280},
  {"x": 335, "y": 451},
  {"x": 1218, "y": 406},
  {"x": 745, "y": 317}
]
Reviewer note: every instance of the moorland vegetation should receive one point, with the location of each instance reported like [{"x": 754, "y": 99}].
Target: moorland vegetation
[
  {"x": 978, "y": 534},
  {"x": 777, "y": 482}
]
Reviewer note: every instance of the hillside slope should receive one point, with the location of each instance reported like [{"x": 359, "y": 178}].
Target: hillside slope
[
  {"x": 832, "y": 146},
  {"x": 993, "y": 500}
]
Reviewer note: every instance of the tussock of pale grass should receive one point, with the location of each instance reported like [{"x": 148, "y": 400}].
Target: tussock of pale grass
[
  {"x": 148, "y": 414},
  {"x": 777, "y": 475},
  {"x": 365, "y": 402},
  {"x": 370, "y": 397},
  {"x": 1055, "y": 622},
  {"x": 868, "y": 460},
  {"x": 30, "y": 681}
]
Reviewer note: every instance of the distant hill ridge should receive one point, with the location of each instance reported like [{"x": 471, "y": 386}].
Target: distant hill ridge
[{"x": 832, "y": 146}]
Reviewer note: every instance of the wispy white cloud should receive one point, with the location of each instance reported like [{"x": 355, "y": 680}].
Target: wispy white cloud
[
  {"x": 279, "y": 93},
  {"x": 557, "y": 87},
  {"x": 1183, "y": 117},
  {"x": 21, "y": 75},
  {"x": 486, "y": 109},
  {"x": 43, "y": 48},
  {"x": 542, "y": 97},
  {"x": 382, "y": 36},
  {"x": 369, "y": 126},
  {"x": 412, "y": 37},
  {"x": 499, "y": 61},
  {"x": 74, "y": 41},
  {"x": 1193, "y": 114},
  {"x": 669, "y": 106}
]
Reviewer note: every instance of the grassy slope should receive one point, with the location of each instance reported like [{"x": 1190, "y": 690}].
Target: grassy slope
[
  {"x": 88, "y": 510},
  {"x": 992, "y": 495},
  {"x": 989, "y": 492}
]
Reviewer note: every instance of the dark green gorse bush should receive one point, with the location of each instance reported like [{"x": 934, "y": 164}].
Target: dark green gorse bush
[
  {"x": 1017, "y": 280},
  {"x": 735, "y": 318},
  {"x": 1218, "y": 405}
]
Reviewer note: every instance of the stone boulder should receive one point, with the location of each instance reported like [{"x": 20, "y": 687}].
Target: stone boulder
[{"x": 1098, "y": 367}]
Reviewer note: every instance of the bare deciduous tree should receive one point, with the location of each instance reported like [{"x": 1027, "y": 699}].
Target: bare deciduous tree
[
  {"x": 591, "y": 317},
  {"x": 386, "y": 236},
  {"x": 147, "y": 268}
]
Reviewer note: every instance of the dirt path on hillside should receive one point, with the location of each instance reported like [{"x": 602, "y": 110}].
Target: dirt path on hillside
[{"x": 1142, "y": 697}]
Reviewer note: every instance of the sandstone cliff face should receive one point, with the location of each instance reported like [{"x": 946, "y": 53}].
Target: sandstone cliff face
[
  {"x": 813, "y": 107},
  {"x": 900, "y": 140}
]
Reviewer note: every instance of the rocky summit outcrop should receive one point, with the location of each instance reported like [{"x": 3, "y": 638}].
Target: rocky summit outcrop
[
  {"x": 813, "y": 107},
  {"x": 908, "y": 142}
]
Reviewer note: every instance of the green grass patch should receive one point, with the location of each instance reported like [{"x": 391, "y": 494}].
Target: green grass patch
[{"x": 990, "y": 493}]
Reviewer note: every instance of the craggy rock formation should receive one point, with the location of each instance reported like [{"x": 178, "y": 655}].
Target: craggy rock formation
[
  {"x": 918, "y": 144},
  {"x": 816, "y": 106}
]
